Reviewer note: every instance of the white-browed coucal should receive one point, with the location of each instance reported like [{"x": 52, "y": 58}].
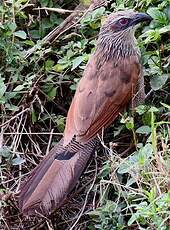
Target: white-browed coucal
[{"x": 108, "y": 84}]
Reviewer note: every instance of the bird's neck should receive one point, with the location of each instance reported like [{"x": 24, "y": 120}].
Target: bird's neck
[{"x": 117, "y": 47}]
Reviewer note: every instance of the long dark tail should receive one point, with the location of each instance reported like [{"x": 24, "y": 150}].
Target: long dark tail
[{"x": 54, "y": 178}]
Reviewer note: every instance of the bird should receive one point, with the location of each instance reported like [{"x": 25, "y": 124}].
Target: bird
[{"x": 108, "y": 84}]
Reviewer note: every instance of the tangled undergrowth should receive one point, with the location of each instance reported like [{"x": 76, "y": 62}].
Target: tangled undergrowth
[{"x": 126, "y": 184}]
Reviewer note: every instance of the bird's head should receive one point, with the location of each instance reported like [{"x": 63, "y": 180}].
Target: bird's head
[
  {"x": 123, "y": 23},
  {"x": 118, "y": 29}
]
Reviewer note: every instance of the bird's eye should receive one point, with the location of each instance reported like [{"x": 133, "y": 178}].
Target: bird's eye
[{"x": 123, "y": 21}]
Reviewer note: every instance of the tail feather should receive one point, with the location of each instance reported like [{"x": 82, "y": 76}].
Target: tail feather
[{"x": 53, "y": 179}]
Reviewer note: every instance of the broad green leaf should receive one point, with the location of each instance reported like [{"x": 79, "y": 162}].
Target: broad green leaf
[
  {"x": 157, "y": 82},
  {"x": 143, "y": 129},
  {"x": 60, "y": 67},
  {"x": 141, "y": 109},
  {"x": 20, "y": 34},
  {"x": 12, "y": 26},
  {"x": 19, "y": 88},
  {"x": 49, "y": 65},
  {"x": 55, "y": 19},
  {"x": 153, "y": 63},
  {"x": 46, "y": 23},
  {"x": 11, "y": 107},
  {"x": 146, "y": 118},
  {"x": 44, "y": 2},
  {"x": 118, "y": 130},
  {"x": 73, "y": 87},
  {"x": 153, "y": 109},
  {"x": 98, "y": 12},
  {"x": 35, "y": 34},
  {"x": 137, "y": 160},
  {"x": 132, "y": 219},
  {"x": 105, "y": 171},
  {"x": 52, "y": 93},
  {"x": 60, "y": 120},
  {"x": 76, "y": 62},
  {"x": 5, "y": 152},
  {"x": 17, "y": 161},
  {"x": 94, "y": 25},
  {"x": 130, "y": 123},
  {"x": 158, "y": 15}
]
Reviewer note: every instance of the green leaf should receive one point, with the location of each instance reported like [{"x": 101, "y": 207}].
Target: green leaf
[
  {"x": 154, "y": 64},
  {"x": 137, "y": 160},
  {"x": 2, "y": 88},
  {"x": 143, "y": 154},
  {"x": 105, "y": 171},
  {"x": 52, "y": 93},
  {"x": 46, "y": 23},
  {"x": 60, "y": 67},
  {"x": 35, "y": 34},
  {"x": 165, "y": 105},
  {"x": 29, "y": 42},
  {"x": 146, "y": 118},
  {"x": 19, "y": 88},
  {"x": 130, "y": 123},
  {"x": 158, "y": 15},
  {"x": 60, "y": 120},
  {"x": 95, "y": 25},
  {"x": 151, "y": 194},
  {"x": 11, "y": 107},
  {"x": 17, "y": 161},
  {"x": 44, "y": 2},
  {"x": 118, "y": 130},
  {"x": 49, "y": 65},
  {"x": 133, "y": 218},
  {"x": 98, "y": 12},
  {"x": 76, "y": 62},
  {"x": 157, "y": 82},
  {"x": 33, "y": 116},
  {"x": 143, "y": 129},
  {"x": 20, "y": 34},
  {"x": 130, "y": 182},
  {"x": 55, "y": 19},
  {"x": 5, "y": 152},
  {"x": 164, "y": 29},
  {"x": 85, "y": 2},
  {"x": 2, "y": 26},
  {"x": 153, "y": 109},
  {"x": 73, "y": 87},
  {"x": 12, "y": 26},
  {"x": 10, "y": 95},
  {"x": 141, "y": 109},
  {"x": 151, "y": 36}
]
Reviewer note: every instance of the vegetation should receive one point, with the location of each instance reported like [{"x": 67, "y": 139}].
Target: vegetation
[{"x": 126, "y": 185}]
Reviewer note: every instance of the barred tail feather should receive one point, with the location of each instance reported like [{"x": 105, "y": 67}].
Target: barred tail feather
[{"x": 53, "y": 179}]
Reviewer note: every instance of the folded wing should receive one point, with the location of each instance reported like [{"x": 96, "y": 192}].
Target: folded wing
[{"x": 102, "y": 93}]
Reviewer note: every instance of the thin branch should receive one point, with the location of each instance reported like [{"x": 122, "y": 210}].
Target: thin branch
[
  {"x": 12, "y": 118},
  {"x": 30, "y": 133},
  {"x": 57, "y": 10}
]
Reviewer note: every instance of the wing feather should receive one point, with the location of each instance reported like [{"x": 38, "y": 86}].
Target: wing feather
[{"x": 102, "y": 93}]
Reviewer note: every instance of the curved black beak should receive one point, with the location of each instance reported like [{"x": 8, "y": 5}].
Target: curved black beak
[{"x": 141, "y": 17}]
